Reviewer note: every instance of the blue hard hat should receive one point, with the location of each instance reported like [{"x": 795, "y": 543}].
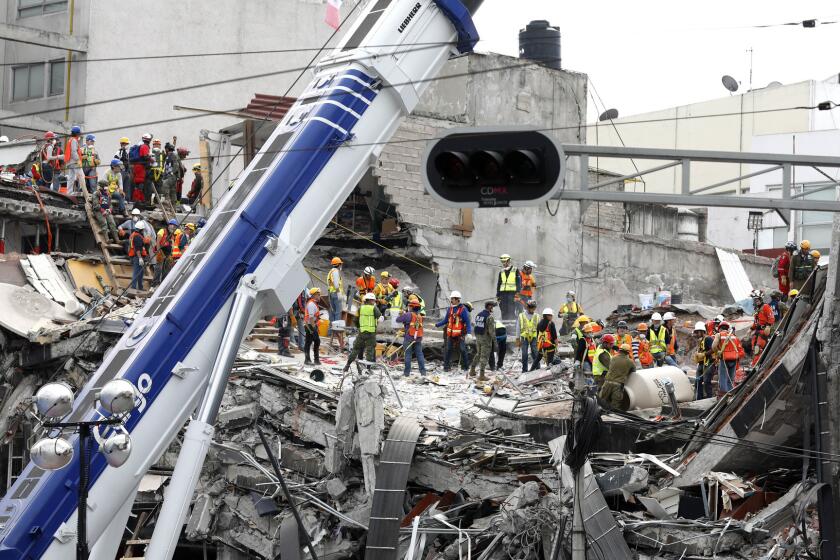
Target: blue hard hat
[
  {"x": 172, "y": 222},
  {"x": 202, "y": 222},
  {"x": 115, "y": 162},
  {"x": 76, "y": 129},
  {"x": 90, "y": 137}
]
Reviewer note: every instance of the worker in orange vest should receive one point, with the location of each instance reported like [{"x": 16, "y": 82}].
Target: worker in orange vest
[
  {"x": 731, "y": 352},
  {"x": 763, "y": 319},
  {"x": 179, "y": 243},
  {"x": 527, "y": 285},
  {"x": 458, "y": 328},
  {"x": 365, "y": 284},
  {"x": 312, "y": 339},
  {"x": 413, "y": 337},
  {"x": 137, "y": 253},
  {"x": 641, "y": 347},
  {"x": 621, "y": 337},
  {"x": 73, "y": 161}
]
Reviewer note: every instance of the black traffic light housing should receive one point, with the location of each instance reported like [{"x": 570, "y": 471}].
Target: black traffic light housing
[{"x": 493, "y": 167}]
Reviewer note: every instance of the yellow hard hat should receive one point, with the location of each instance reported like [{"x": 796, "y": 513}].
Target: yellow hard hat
[
  {"x": 384, "y": 274},
  {"x": 313, "y": 291},
  {"x": 805, "y": 245},
  {"x": 793, "y": 293},
  {"x": 197, "y": 166},
  {"x": 125, "y": 140},
  {"x": 190, "y": 225},
  {"x": 816, "y": 254}
]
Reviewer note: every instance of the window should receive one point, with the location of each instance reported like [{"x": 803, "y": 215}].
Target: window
[
  {"x": 56, "y": 77},
  {"x": 27, "y": 82},
  {"x": 27, "y": 8}
]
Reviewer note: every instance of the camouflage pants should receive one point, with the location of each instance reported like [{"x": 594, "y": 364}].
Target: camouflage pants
[
  {"x": 483, "y": 347},
  {"x": 612, "y": 394}
]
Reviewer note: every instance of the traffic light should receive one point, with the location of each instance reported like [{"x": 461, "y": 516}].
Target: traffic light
[{"x": 493, "y": 167}]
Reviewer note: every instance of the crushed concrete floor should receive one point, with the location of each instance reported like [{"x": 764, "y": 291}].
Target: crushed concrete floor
[{"x": 492, "y": 471}]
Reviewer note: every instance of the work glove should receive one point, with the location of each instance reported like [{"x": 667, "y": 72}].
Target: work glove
[
  {"x": 381, "y": 319},
  {"x": 142, "y": 262}
]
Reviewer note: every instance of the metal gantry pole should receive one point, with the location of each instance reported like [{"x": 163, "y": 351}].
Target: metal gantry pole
[{"x": 82, "y": 551}]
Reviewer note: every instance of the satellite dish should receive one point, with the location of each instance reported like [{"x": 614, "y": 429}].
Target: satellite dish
[
  {"x": 774, "y": 84},
  {"x": 729, "y": 83},
  {"x": 609, "y": 115}
]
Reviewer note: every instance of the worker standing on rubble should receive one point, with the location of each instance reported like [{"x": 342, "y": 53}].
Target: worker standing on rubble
[
  {"x": 197, "y": 186},
  {"x": 801, "y": 265},
  {"x": 114, "y": 178},
  {"x": 731, "y": 353},
  {"x": 705, "y": 360},
  {"x": 485, "y": 337},
  {"x": 713, "y": 325},
  {"x": 395, "y": 302},
  {"x": 601, "y": 360},
  {"x": 171, "y": 175},
  {"x": 458, "y": 327},
  {"x": 671, "y": 343},
  {"x": 73, "y": 161},
  {"x": 570, "y": 312},
  {"x": 641, "y": 342},
  {"x": 413, "y": 338},
  {"x": 335, "y": 289},
  {"x": 163, "y": 258},
  {"x": 620, "y": 369},
  {"x": 179, "y": 243},
  {"x": 140, "y": 157},
  {"x": 763, "y": 320},
  {"x": 137, "y": 253},
  {"x": 658, "y": 336},
  {"x": 122, "y": 155},
  {"x": 365, "y": 284},
  {"x": 90, "y": 162},
  {"x": 508, "y": 284},
  {"x": 578, "y": 340},
  {"x": 546, "y": 339},
  {"x": 284, "y": 334},
  {"x": 382, "y": 290},
  {"x": 103, "y": 213},
  {"x": 783, "y": 268},
  {"x": 156, "y": 167},
  {"x": 365, "y": 342},
  {"x": 777, "y": 305},
  {"x": 50, "y": 159},
  {"x": 526, "y": 336},
  {"x": 190, "y": 230},
  {"x": 527, "y": 285},
  {"x": 312, "y": 314}
]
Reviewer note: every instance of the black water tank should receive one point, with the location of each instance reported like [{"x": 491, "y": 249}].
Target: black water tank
[{"x": 540, "y": 41}]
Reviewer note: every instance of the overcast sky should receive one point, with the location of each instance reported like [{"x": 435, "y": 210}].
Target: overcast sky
[{"x": 649, "y": 55}]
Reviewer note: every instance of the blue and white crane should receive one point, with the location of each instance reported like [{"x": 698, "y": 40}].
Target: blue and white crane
[{"x": 245, "y": 264}]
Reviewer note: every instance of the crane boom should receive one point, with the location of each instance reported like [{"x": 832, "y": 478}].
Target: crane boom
[{"x": 262, "y": 228}]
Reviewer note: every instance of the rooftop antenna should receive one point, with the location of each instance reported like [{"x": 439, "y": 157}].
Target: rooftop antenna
[{"x": 729, "y": 83}]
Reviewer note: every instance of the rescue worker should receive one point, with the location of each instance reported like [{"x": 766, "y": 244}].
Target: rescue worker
[
  {"x": 284, "y": 334},
  {"x": 73, "y": 161},
  {"x": 171, "y": 175},
  {"x": 783, "y": 268},
  {"x": 163, "y": 258},
  {"x": 412, "y": 322},
  {"x": 382, "y": 290},
  {"x": 622, "y": 336},
  {"x": 546, "y": 339},
  {"x": 312, "y": 339},
  {"x": 51, "y": 161},
  {"x": 140, "y": 158},
  {"x": 395, "y": 302},
  {"x": 801, "y": 265},
  {"x": 137, "y": 253},
  {"x": 458, "y": 327},
  {"x": 642, "y": 347},
  {"x": 763, "y": 320},
  {"x": 658, "y": 336},
  {"x": 527, "y": 334},
  {"x": 713, "y": 325},
  {"x": 671, "y": 343},
  {"x": 705, "y": 360},
  {"x": 570, "y": 312},
  {"x": 508, "y": 284},
  {"x": 815, "y": 257},
  {"x": 114, "y": 177},
  {"x": 578, "y": 340},
  {"x": 156, "y": 167},
  {"x": 497, "y": 359},
  {"x": 527, "y": 285},
  {"x": 335, "y": 289},
  {"x": 601, "y": 359},
  {"x": 485, "y": 337},
  {"x": 103, "y": 215},
  {"x": 365, "y": 342},
  {"x": 179, "y": 244},
  {"x": 197, "y": 187},
  {"x": 122, "y": 155},
  {"x": 731, "y": 352},
  {"x": 792, "y": 294},
  {"x": 365, "y": 284},
  {"x": 620, "y": 369},
  {"x": 190, "y": 230},
  {"x": 90, "y": 162},
  {"x": 777, "y": 305}
]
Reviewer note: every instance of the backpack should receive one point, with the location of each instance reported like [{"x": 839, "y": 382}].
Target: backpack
[
  {"x": 774, "y": 268},
  {"x": 134, "y": 154}
]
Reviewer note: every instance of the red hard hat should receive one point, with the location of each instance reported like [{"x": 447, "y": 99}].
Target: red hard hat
[
  {"x": 394, "y": 282},
  {"x": 49, "y": 135},
  {"x": 608, "y": 339}
]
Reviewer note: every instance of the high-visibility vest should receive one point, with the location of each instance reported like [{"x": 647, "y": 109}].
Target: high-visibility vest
[
  {"x": 89, "y": 157},
  {"x": 571, "y": 307},
  {"x": 306, "y": 315},
  {"x": 415, "y": 327},
  {"x": 455, "y": 325},
  {"x": 645, "y": 357},
  {"x": 131, "y": 251},
  {"x": 597, "y": 367},
  {"x": 508, "y": 283},
  {"x": 113, "y": 182},
  {"x": 365, "y": 286},
  {"x": 528, "y": 284},
  {"x": 396, "y": 304},
  {"x": 67, "y": 150},
  {"x": 591, "y": 348},
  {"x": 528, "y": 327},
  {"x": 544, "y": 339},
  {"x": 657, "y": 339},
  {"x": 672, "y": 344},
  {"x": 367, "y": 319},
  {"x": 707, "y": 352},
  {"x": 731, "y": 349},
  {"x": 176, "y": 244},
  {"x": 331, "y": 285}
]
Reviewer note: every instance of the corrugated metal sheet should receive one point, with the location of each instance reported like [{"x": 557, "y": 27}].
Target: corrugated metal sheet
[
  {"x": 736, "y": 277},
  {"x": 269, "y": 107}
]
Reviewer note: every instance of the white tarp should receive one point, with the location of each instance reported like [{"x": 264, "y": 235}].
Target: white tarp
[{"x": 736, "y": 277}]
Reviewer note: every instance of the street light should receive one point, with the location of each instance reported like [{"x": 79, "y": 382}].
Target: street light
[
  {"x": 755, "y": 223},
  {"x": 53, "y": 402}
]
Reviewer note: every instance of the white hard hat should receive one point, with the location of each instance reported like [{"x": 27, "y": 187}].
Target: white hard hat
[
  {"x": 719, "y": 319},
  {"x": 700, "y": 326},
  {"x": 369, "y": 270},
  {"x": 504, "y": 257},
  {"x": 370, "y": 296},
  {"x": 668, "y": 316},
  {"x": 656, "y": 317},
  {"x": 140, "y": 225},
  {"x": 146, "y": 136},
  {"x": 455, "y": 294},
  {"x": 548, "y": 311},
  {"x": 570, "y": 293},
  {"x": 530, "y": 264},
  {"x": 135, "y": 212}
]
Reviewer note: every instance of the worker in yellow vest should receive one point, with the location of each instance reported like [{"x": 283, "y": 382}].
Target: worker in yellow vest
[
  {"x": 527, "y": 334},
  {"x": 570, "y": 312},
  {"x": 658, "y": 337},
  {"x": 601, "y": 359},
  {"x": 508, "y": 284},
  {"x": 365, "y": 342}
]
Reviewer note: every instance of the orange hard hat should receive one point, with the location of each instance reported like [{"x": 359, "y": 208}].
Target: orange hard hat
[
  {"x": 336, "y": 261},
  {"x": 642, "y": 327}
]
